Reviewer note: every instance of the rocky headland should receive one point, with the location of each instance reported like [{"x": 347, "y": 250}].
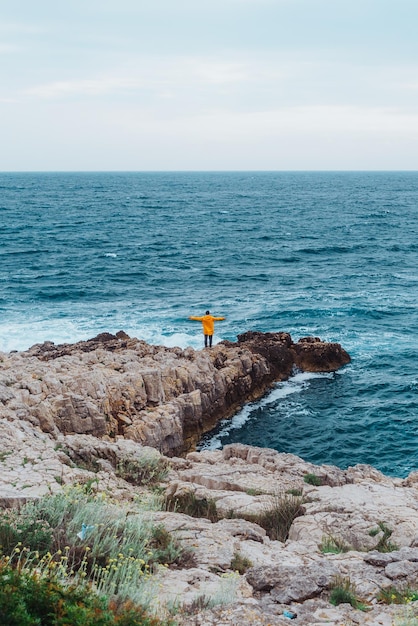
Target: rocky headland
[
  {"x": 162, "y": 397},
  {"x": 73, "y": 413}
]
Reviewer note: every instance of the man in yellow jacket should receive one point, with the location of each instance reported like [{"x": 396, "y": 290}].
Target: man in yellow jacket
[{"x": 208, "y": 323}]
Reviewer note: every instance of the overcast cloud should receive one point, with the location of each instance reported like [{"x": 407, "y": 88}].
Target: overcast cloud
[{"x": 220, "y": 85}]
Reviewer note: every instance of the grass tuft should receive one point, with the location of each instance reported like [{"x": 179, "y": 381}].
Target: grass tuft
[
  {"x": 240, "y": 563},
  {"x": 344, "y": 592},
  {"x": 333, "y": 545},
  {"x": 279, "y": 517},
  {"x": 313, "y": 479},
  {"x": 145, "y": 469},
  {"x": 188, "y": 504},
  {"x": 383, "y": 545}
]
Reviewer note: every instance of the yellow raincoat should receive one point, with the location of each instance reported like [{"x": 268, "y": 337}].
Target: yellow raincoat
[{"x": 208, "y": 323}]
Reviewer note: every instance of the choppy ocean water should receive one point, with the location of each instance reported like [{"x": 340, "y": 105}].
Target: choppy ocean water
[{"x": 326, "y": 254}]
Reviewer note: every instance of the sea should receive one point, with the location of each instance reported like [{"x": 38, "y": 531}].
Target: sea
[{"x": 328, "y": 254}]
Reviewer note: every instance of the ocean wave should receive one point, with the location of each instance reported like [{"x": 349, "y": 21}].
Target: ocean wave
[
  {"x": 295, "y": 384},
  {"x": 330, "y": 250},
  {"x": 323, "y": 254}
]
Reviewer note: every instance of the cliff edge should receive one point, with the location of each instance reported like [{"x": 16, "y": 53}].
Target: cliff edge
[{"x": 166, "y": 398}]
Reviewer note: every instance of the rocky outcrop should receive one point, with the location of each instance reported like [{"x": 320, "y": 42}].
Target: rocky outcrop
[
  {"x": 114, "y": 385},
  {"x": 73, "y": 413},
  {"x": 359, "y": 527},
  {"x": 309, "y": 354},
  {"x": 66, "y": 413},
  {"x": 341, "y": 531}
]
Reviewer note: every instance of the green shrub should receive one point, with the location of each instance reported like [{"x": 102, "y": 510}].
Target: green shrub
[
  {"x": 93, "y": 540},
  {"x": 313, "y": 479},
  {"x": 240, "y": 563},
  {"x": 165, "y": 548},
  {"x": 341, "y": 595},
  {"x": 383, "y": 545},
  {"x": 391, "y": 595},
  {"x": 29, "y": 599},
  {"x": 24, "y": 527}
]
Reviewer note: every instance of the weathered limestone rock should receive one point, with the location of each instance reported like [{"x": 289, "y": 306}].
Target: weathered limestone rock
[
  {"x": 212, "y": 545},
  {"x": 314, "y": 612},
  {"x": 166, "y": 398},
  {"x": 403, "y": 570},
  {"x": 352, "y": 513},
  {"x": 66, "y": 413},
  {"x": 292, "y": 575},
  {"x": 184, "y": 589},
  {"x": 288, "y": 584}
]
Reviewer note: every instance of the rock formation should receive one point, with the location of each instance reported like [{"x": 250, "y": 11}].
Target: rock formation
[
  {"x": 161, "y": 397},
  {"x": 339, "y": 531},
  {"x": 71, "y": 413}
]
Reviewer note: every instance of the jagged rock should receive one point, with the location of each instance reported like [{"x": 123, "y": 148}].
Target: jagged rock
[
  {"x": 309, "y": 353},
  {"x": 381, "y": 559},
  {"x": 284, "y": 575},
  {"x": 403, "y": 570},
  {"x": 314, "y": 355},
  {"x": 114, "y": 385},
  {"x": 352, "y": 513},
  {"x": 288, "y": 584}
]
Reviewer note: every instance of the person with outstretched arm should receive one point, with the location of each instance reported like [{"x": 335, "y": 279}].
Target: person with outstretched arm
[{"x": 208, "y": 323}]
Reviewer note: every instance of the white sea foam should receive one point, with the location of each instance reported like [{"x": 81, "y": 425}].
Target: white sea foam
[
  {"x": 295, "y": 384},
  {"x": 24, "y": 333},
  {"x": 153, "y": 335}
]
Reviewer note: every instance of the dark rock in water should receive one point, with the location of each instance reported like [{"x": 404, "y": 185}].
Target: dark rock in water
[
  {"x": 275, "y": 348},
  {"x": 102, "y": 338},
  {"x": 314, "y": 355},
  {"x": 309, "y": 354}
]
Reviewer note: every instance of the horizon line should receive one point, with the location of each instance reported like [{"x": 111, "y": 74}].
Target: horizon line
[{"x": 210, "y": 171}]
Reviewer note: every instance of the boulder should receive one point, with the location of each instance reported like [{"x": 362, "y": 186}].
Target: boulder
[{"x": 295, "y": 583}]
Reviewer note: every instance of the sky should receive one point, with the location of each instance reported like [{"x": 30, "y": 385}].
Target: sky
[{"x": 146, "y": 85}]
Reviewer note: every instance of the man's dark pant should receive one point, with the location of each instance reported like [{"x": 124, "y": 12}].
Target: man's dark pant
[{"x": 208, "y": 337}]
